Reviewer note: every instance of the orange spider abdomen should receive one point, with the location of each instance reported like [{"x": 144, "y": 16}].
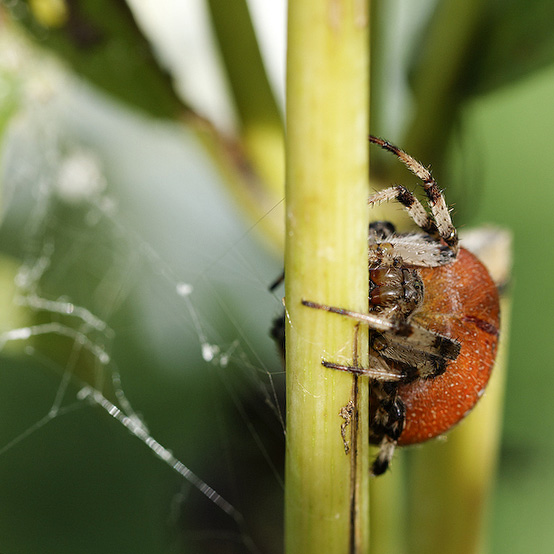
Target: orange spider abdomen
[{"x": 460, "y": 302}]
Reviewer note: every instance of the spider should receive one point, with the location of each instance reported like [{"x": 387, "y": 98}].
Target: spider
[{"x": 433, "y": 316}]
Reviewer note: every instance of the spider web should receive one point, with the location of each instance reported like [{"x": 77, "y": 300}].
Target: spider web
[{"x": 136, "y": 323}]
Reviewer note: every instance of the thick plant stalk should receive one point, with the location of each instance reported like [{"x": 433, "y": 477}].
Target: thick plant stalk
[
  {"x": 388, "y": 508},
  {"x": 326, "y": 496}
]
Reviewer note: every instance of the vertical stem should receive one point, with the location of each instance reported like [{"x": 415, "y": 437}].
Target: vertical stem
[
  {"x": 261, "y": 126},
  {"x": 257, "y": 177},
  {"x": 388, "y": 509},
  {"x": 326, "y": 261}
]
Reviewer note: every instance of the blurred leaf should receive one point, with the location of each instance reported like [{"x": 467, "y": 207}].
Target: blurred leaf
[
  {"x": 516, "y": 39},
  {"x": 8, "y": 101},
  {"x": 470, "y": 47},
  {"x": 443, "y": 49},
  {"x": 50, "y": 13},
  {"x": 507, "y": 40},
  {"x": 102, "y": 42}
]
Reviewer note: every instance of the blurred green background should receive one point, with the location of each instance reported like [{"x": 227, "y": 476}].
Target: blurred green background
[
  {"x": 514, "y": 129},
  {"x": 113, "y": 208}
]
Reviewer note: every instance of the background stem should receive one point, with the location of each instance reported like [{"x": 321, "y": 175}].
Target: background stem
[{"x": 260, "y": 122}]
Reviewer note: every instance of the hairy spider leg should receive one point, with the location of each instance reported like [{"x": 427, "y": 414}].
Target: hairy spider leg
[
  {"x": 413, "y": 206},
  {"x": 437, "y": 203},
  {"x": 428, "y": 343},
  {"x": 384, "y": 457},
  {"x": 378, "y": 370},
  {"x": 387, "y": 422}
]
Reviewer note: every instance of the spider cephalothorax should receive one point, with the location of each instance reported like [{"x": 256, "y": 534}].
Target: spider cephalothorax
[{"x": 433, "y": 316}]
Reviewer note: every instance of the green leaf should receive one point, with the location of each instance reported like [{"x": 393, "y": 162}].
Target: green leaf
[
  {"x": 441, "y": 65},
  {"x": 516, "y": 40},
  {"x": 102, "y": 42},
  {"x": 471, "y": 47},
  {"x": 482, "y": 46}
]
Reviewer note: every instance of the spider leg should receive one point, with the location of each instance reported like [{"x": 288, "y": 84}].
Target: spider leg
[
  {"x": 424, "y": 350},
  {"x": 426, "y": 340},
  {"x": 415, "y": 249},
  {"x": 277, "y": 282},
  {"x": 373, "y": 321},
  {"x": 388, "y": 411},
  {"x": 384, "y": 457},
  {"x": 378, "y": 369},
  {"x": 437, "y": 203},
  {"x": 413, "y": 206},
  {"x": 387, "y": 423},
  {"x": 426, "y": 358}
]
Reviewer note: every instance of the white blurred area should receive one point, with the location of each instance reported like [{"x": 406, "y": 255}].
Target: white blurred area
[{"x": 181, "y": 33}]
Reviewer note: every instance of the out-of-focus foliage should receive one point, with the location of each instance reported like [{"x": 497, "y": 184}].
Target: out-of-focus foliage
[
  {"x": 508, "y": 41},
  {"x": 102, "y": 42},
  {"x": 468, "y": 48},
  {"x": 509, "y": 132},
  {"x": 9, "y": 103},
  {"x": 515, "y": 39}
]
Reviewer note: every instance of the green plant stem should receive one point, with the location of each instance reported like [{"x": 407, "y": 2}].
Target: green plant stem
[
  {"x": 254, "y": 166},
  {"x": 260, "y": 122},
  {"x": 326, "y": 494},
  {"x": 388, "y": 508}
]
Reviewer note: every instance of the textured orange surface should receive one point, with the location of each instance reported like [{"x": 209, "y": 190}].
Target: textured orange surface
[{"x": 461, "y": 302}]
